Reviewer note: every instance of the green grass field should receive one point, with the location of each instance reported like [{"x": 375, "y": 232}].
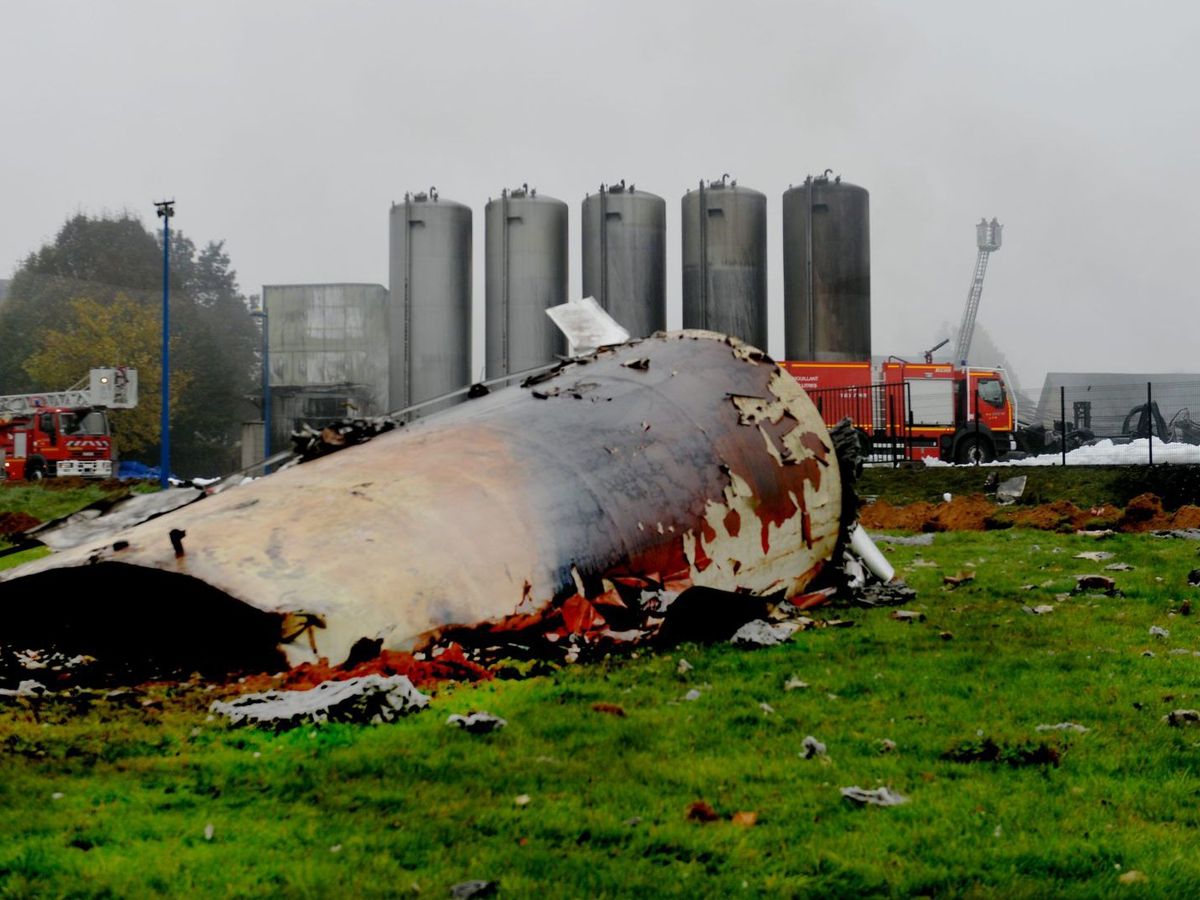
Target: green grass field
[{"x": 116, "y": 800}]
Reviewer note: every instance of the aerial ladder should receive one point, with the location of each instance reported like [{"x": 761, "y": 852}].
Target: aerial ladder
[
  {"x": 987, "y": 238},
  {"x": 107, "y": 388}
]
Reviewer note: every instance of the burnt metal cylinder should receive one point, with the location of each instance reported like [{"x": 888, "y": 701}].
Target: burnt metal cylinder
[
  {"x": 725, "y": 261},
  {"x": 429, "y": 306},
  {"x": 602, "y": 490},
  {"x": 827, "y": 271},
  {"x": 525, "y": 272},
  {"x": 625, "y": 256}
]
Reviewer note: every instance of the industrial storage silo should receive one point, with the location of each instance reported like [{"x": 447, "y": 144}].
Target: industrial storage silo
[
  {"x": 429, "y": 335},
  {"x": 525, "y": 273},
  {"x": 725, "y": 261},
  {"x": 625, "y": 256},
  {"x": 827, "y": 271}
]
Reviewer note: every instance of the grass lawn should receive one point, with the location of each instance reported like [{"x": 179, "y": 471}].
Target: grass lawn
[{"x": 116, "y": 800}]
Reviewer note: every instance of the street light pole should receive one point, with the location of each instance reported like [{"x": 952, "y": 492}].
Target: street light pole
[
  {"x": 261, "y": 314},
  {"x": 165, "y": 210}
]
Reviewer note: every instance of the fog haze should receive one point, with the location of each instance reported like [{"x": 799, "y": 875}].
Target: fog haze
[{"x": 287, "y": 129}]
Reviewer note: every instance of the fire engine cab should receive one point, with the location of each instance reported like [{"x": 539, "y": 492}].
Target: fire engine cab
[
  {"x": 906, "y": 410},
  {"x": 63, "y": 433}
]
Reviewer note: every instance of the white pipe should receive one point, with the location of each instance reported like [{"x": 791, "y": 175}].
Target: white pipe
[{"x": 864, "y": 548}]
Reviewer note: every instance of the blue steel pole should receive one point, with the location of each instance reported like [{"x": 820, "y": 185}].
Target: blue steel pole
[{"x": 166, "y": 210}]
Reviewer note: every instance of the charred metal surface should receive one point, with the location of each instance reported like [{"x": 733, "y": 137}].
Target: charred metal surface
[{"x": 580, "y": 504}]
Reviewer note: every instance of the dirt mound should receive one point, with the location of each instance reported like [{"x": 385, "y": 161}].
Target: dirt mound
[
  {"x": 977, "y": 513},
  {"x": 16, "y": 522}
]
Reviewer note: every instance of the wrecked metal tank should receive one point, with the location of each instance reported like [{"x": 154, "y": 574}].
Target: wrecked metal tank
[{"x": 581, "y": 504}]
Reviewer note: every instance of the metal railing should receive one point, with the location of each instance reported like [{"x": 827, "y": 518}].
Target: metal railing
[{"x": 880, "y": 412}]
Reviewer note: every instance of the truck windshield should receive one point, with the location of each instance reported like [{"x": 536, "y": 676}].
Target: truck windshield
[
  {"x": 991, "y": 391},
  {"x": 82, "y": 421}
]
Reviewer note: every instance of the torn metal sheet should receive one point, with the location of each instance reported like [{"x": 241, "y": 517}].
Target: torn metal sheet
[{"x": 578, "y": 506}]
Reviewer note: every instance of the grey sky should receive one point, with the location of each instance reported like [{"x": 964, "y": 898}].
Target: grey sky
[{"x": 287, "y": 128}]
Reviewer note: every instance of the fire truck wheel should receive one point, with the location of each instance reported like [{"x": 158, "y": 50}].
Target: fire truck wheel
[
  {"x": 973, "y": 449},
  {"x": 35, "y": 469}
]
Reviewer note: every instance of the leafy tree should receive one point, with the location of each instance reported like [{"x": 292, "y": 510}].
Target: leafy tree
[
  {"x": 96, "y": 334},
  {"x": 98, "y": 259}
]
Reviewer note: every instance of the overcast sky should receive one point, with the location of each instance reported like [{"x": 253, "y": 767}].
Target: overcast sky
[{"x": 287, "y": 128}]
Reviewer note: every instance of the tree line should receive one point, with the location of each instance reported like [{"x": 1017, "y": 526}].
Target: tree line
[{"x": 93, "y": 297}]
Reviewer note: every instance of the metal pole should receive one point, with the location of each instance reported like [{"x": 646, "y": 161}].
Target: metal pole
[
  {"x": 1150, "y": 420},
  {"x": 266, "y": 385},
  {"x": 1062, "y": 402},
  {"x": 166, "y": 209}
]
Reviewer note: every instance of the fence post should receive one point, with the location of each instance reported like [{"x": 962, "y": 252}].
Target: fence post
[
  {"x": 1062, "y": 402},
  {"x": 1150, "y": 420},
  {"x": 977, "y": 453},
  {"x": 891, "y": 422}
]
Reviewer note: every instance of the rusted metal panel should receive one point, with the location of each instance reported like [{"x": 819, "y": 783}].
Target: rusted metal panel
[{"x": 582, "y": 503}]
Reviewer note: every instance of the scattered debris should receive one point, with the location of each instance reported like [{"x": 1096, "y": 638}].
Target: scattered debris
[
  {"x": 1101, "y": 583},
  {"x": 465, "y": 890},
  {"x": 954, "y": 581},
  {"x": 610, "y": 709},
  {"x": 744, "y": 819},
  {"x": 1118, "y": 567},
  {"x": 1041, "y": 610},
  {"x": 882, "y": 796},
  {"x": 767, "y": 708},
  {"x": 700, "y": 811},
  {"x": 1148, "y": 654},
  {"x": 761, "y": 633},
  {"x": 1133, "y": 876},
  {"x": 1159, "y": 632},
  {"x": 1185, "y": 608},
  {"x": 684, "y": 667},
  {"x": 912, "y": 540},
  {"x": 908, "y": 615},
  {"x": 692, "y": 695},
  {"x": 986, "y": 749},
  {"x": 1187, "y": 534},
  {"x": 1064, "y": 726},
  {"x": 811, "y": 747},
  {"x": 372, "y": 699},
  {"x": 1194, "y": 577},
  {"x": 795, "y": 684},
  {"x": 27, "y": 689},
  {"x": 1178, "y": 718},
  {"x": 875, "y": 593},
  {"x": 887, "y": 745},
  {"x": 946, "y": 635},
  {"x": 1009, "y": 491},
  {"x": 1095, "y": 555},
  {"x": 522, "y": 800},
  {"x": 477, "y": 722},
  {"x": 209, "y": 831}
]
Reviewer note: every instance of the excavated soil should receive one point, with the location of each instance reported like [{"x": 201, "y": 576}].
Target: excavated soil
[
  {"x": 977, "y": 513},
  {"x": 16, "y": 522}
]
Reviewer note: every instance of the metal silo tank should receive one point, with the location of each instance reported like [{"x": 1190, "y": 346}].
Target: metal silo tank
[
  {"x": 725, "y": 261},
  {"x": 625, "y": 256},
  {"x": 430, "y": 300},
  {"x": 525, "y": 273},
  {"x": 827, "y": 271}
]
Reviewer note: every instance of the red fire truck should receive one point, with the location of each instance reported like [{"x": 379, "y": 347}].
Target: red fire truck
[
  {"x": 67, "y": 432},
  {"x": 915, "y": 411}
]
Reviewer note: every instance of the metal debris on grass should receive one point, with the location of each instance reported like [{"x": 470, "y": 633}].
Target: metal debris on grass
[
  {"x": 1094, "y": 555},
  {"x": 477, "y": 722},
  {"x": 1178, "y": 718},
  {"x": 761, "y": 633},
  {"x": 370, "y": 699},
  {"x": 1041, "y": 610},
  {"x": 882, "y": 796},
  {"x": 811, "y": 748},
  {"x": 1064, "y": 726},
  {"x": 1159, "y": 632},
  {"x": 907, "y": 615}
]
